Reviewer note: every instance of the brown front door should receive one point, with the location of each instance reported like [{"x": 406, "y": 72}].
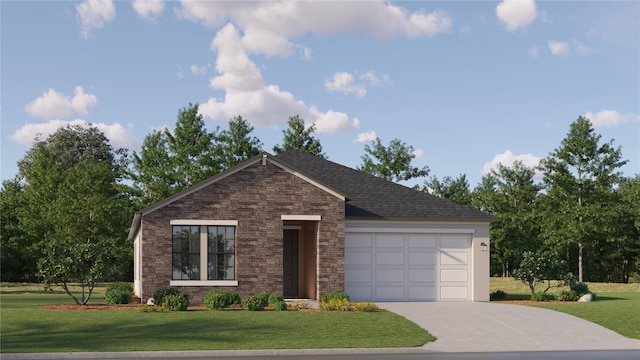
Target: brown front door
[{"x": 290, "y": 263}]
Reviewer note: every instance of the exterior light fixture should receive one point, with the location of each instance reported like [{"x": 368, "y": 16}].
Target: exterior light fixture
[{"x": 483, "y": 246}]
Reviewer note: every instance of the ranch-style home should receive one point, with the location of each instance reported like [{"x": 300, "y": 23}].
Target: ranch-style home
[{"x": 303, "y": 226}]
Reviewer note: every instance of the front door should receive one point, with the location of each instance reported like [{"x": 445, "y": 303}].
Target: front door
[{"x": 290, "y": 263}]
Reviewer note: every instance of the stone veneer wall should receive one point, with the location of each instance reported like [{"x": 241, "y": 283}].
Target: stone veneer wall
[{"x": 256, "y": 196}]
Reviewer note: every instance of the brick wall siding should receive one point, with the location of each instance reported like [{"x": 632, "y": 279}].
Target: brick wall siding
[{"x": 256, "y": 196}]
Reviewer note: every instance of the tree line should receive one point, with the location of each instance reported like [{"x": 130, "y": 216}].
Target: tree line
[{"x": 74, "y": 193}]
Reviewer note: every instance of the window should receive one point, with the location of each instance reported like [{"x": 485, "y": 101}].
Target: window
[{"x": 203, "y": 252}]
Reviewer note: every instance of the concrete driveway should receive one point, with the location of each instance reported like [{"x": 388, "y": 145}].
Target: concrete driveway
[{"x": 482, "y": 327}]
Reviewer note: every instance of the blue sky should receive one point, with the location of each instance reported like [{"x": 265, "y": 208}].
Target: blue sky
[{"x": 466, "y": 83}]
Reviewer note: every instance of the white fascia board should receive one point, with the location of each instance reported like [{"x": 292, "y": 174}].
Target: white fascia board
[
  {"x": 301, "y": 217},
  {"x": 204, "y": 222}
]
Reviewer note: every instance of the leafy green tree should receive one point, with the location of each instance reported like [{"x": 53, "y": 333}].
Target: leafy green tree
[
  {"x": 579, "y": 179},
  {"x": 236, "y": 144},
  {"x": 456, "y": 190},
  {"x": 510, "y": 193},
  {"x": 536, "y": 268},
  {"x": 169, "y": 162},
  {"x": 298, "y": 137},
  {"x": 17, "y": 260},
  {"x": 392, "y": 163},
  {"x": 83, "y": 263}
]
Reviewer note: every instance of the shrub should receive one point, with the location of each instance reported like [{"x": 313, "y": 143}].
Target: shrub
[
  {"x": 122, "y": 286},
  {"x": 158, "y": 295},
  {"x": 334, "y": 296},
  {"x": 498, "y": 295},
  {"x": 275, "y": 298},
  {"x": 300, "y": 305},
  {"x": 256, "y": 302},
  {"x": 538, "y": 296},
  {"x": 366, "y": 307},
  {"x": 149, "y": 308},
  {"x": 176, "y": 302},
  {"x": 567, "y": 295},
  {"x": 580, "y": 288},
  {"x": 220, "y": 299},
  {"x": 337, "y": 305},
  {"x": 279, "y": 305},
  {"x": 117, "y": 296}
]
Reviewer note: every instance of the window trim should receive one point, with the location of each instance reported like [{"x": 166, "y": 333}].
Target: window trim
[{"x": 204, "y": 252}]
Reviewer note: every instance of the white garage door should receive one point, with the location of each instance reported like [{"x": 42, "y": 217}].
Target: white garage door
[{"x": 407, "y": 266}]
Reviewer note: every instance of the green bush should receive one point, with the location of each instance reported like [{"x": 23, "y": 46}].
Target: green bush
[
  {"x": 580, "y": 288},
  {"x": 176, "y": 302},
  {"x": 366, "y": 307},
  {"x": 255, "y": 302},
  {"x": 498, "y": 295},
  {"x": 538, "y": 296},
  {"x": 149, "y": 308},
  {"x": 279, "y": 306},
  {"x": 275, "y": 298},
  {"x": 158, "y": 295},
  {"x": 300, "y": 305},
  {"x": 117, "y": 296},
  {"x": 567, "y": 295},
  {"x": 220, "y": 299},
  {"x": 122, "y": 286},
  {"x": 334, "y": 296},
  {"x": 337, "y": 305}
]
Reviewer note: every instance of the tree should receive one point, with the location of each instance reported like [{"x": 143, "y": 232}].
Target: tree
[
  {"x": 456, "y": 190},
  {"x": 392, "y": 163},
  {"x": 236, "y": 145},
  {"x": 84, "y": 263},
  {"x": 536, "y": 268},
  {"x": 299, "y": 138},
  {"x": 510, "y": 193},
  {"x": 17, "y": 260},
  {"x": 579, "y": 179},
  {"x": 169, "y": 162}
]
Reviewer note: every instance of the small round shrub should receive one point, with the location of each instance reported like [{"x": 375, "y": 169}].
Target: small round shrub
[
  {"x": 117, "y": 296},
  {"x": 567, "y": 295},
  {"x": 176, "y": 302},
  {"x": 498, "y": 295},
  {"x": 158, "y": 295},
  {"x": 220, "y": 299},
  {"x": 275, "y": 298},
  {"x": 334, "y": 296},
  {"x": 366, "y": 307},
  {"x": 255, "y": 303},
  {"x": 336, "y": 305},
  {"x": 580, "y": 288},
  {"x": 538, "y": 296},
  {"x": 122, "y": 286},
  {"x": 279, "y": 306}
]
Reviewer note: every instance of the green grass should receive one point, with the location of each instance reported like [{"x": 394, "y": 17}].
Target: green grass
[
  {"x": 616, "y": 306},
  {"x": 28, "y": 326}
]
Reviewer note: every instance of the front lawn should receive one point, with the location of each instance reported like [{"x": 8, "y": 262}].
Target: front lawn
[
  {"x": 616, "y": 306},
  {"x": 28, "y": 326}
]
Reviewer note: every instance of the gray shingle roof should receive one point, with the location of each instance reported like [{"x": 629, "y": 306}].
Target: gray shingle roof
[{"x": 373, "y": 197}]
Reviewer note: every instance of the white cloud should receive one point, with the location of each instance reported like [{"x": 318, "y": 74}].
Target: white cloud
[
  {"x": 508, "y": 158},
  {"x": 516, "y": 14},
  {"x": 374, "y": 79},
  {"x": 198, "y": 70},
  {"x": 179, "y": 72},
  {"x": 343, "y": 82},
  {"x": 609, "y": 118},
  {"x": 148, "y": 10},
  {"x": 268, "y": 26},
  {"x": 559, "y": 48},
  {"x": 53, "y": 104},
  {"x": 582, "y": 49},
  {"x": 118, "y": 135},
  {"x": 94, "y": 14},
  {"x": 418, "y": 153},
  {"x": 366, "y": 137},
  {"x": 247, "y": 94},
  {"x": 533, "y": 52}
]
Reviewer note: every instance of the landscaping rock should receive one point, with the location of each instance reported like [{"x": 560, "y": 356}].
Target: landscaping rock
[
  {"x": 586, "y": 298},
  {"x": 151, "y": 301}
]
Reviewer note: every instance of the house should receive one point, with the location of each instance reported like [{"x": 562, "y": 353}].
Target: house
[{"x": 304, "y": 226}]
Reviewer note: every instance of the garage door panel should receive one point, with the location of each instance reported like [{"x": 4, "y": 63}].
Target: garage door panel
[
  {"x": 422, "y": 293},
  {"x": 358, "y": 258},
  {"x": 359, "y": 240},
  {"x": 453, "y": 275},
  {"x": 390, "y": 275},
  {"x": 454, "y": 293},
  {"x": 359, "y": 275},
  {"x": 389, "y": 293},
  {"x": 389, "y": 240},
  {"x": 419, "y": 241},
  {"x": 454, "y": 242},
  {"x": 454, "y": 258},
  {"x": 421, "y": 275},
  {"x": 389, "y": 258},
  {"x": 422, "y": 258},
  {"x": 360, "y": 293}
]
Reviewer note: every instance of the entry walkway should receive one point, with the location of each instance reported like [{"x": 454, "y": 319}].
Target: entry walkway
[{"x": 488, "y": 327}]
